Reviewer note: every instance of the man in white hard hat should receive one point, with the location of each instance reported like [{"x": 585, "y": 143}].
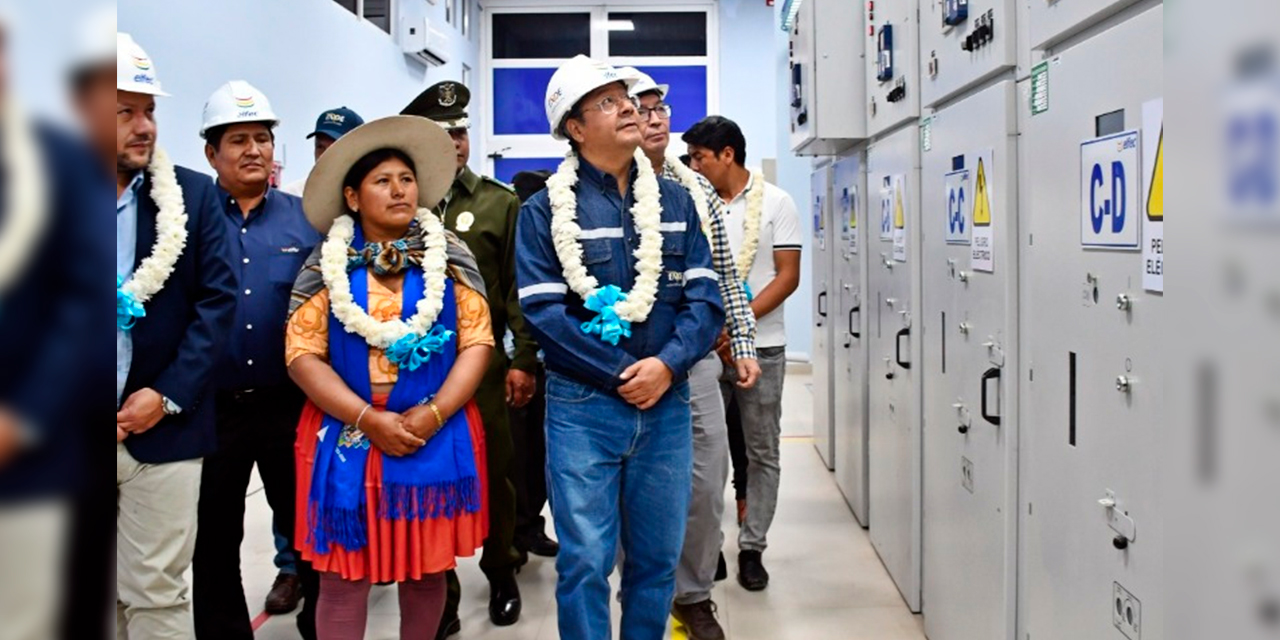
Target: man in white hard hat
[
  {"x": 616, "y": 282},
  {"x": 257, "y": 404},
  {"x": 53, "y": 252},
  {"x": 175, "y": 301},
  {"x": 703, "y": 537}
]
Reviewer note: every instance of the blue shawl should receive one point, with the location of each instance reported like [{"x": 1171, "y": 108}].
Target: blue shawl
[{"x": 437, "y": 481}]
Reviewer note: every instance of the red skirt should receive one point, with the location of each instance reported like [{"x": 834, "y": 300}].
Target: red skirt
[{"x": 397, "y": 550}]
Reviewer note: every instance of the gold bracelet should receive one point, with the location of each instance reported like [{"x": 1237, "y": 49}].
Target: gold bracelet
[
  {"x": 361, "y": 416},
  {"x": 439, "y": 420}
]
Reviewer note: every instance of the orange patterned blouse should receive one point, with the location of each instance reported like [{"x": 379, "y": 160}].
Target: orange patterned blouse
[{"x": 308, "y": 328}]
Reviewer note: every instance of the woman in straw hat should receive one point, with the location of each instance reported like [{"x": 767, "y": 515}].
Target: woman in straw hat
[{"x": 389, "y": 336}]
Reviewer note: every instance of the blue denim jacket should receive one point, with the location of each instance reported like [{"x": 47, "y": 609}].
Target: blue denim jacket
[{"x": 687, "y": 316}]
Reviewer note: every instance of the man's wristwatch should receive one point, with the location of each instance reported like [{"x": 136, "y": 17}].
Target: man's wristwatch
[{"x": 169, "y": 406}]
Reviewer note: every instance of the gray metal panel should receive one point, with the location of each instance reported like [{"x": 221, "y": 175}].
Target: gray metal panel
[
  {"x": 893, "y": 293},
  {"x": 832, "y": 71},
  {"x": 825, "y": 294},
  {"x": 1054, "y": 20},
  {"x": 903, "y": 17},
  {"x": 849, "y": 206},
  {"x": 1069, "y": 566},
  {"x": 946, "y": 67},
  {"x": 970, "y": 325}
]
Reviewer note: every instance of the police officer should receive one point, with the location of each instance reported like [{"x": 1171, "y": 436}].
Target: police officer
[{"x": 482, "y": 211}]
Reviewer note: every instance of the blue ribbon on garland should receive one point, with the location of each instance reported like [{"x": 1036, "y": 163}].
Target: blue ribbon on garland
[
  {"x": 746, "y": 286},
  {"x": 128, "y": 309},
  {"x": 413, "y": 350},
  {"x": 607, "y": 324}
]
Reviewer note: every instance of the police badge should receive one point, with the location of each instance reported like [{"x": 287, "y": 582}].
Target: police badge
[{"x": 448, "y": 94}]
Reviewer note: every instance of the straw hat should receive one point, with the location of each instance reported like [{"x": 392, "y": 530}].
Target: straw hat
[{"x": 430, "y": 148}]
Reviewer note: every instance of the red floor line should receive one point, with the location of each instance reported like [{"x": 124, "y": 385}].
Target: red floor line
[{"x": 260, "y": 620}]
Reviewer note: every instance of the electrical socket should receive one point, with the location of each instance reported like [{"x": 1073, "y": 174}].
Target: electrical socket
[{"x": 1126, "y": 612}]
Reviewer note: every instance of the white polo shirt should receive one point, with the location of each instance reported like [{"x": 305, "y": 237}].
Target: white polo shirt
[{"x": 779, "y": 231}]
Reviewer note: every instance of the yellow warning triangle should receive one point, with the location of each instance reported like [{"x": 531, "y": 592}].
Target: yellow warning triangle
[
  {"x": 1155, "y": 199},
  {"x": 981, "y": 201},
  {"x": 899, "y": 216}
]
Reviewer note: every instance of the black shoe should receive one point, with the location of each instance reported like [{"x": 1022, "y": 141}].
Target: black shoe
[
  {"x": 504, "y": 600},
  {"x": 541, "y": 545},
  {"x": 699, "y": 620},
  {"x": 751, "y": 573},
  {"x": 284, "y": 595},
  {"x": 449, "y": 627},
  {"x": 722, "y": 569}
]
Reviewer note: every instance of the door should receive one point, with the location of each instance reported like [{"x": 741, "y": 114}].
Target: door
[
  {"x": 848, "y": 202},
  {"x": 824, "y": 319},
  {"x": 969, "y": 238},
  {"x": 1091, "y": 527},
  {"x": 893, "y": 292}
]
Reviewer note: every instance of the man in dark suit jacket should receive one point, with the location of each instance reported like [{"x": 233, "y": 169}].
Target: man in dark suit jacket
[
  {"x": 50, "y": 298},
  {"x": 164, "y": 367}
]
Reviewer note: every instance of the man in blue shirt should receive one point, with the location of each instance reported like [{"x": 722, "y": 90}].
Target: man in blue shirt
[
  {"x": 257, "y": 405},
  {"x": 619, "y": 449}
]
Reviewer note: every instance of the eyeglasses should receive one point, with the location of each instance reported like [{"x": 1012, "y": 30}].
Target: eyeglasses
[
  {"x": 610, "y": 105},
  {"x": 663, "y": 110}
]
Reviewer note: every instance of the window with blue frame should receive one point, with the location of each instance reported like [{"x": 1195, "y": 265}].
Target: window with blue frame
[{"x": 526, "y": 48}]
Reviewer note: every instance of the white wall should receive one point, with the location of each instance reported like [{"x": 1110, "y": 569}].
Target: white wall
[
  {"x": 753, "y": 73},
  {"x": 306, "y": 55}
]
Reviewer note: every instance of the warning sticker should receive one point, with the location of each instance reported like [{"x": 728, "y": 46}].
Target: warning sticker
[
  {"x": 1153, "y": 223},
  {"x": 849, "y": 206},
  {"x": 886, "y": 210},
  {"x": 982, "y": 253},
  {"x": 899, "y": 218}
]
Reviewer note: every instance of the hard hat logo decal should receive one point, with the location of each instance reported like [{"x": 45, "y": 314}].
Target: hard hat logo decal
[
  {"x": 142, "y": 63},
  {"x": 244, "y": 103}
]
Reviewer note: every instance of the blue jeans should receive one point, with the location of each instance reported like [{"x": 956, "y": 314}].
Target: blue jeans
[
  {"x": 617, "y": 473},
  {"x": 286, "y": 560}
]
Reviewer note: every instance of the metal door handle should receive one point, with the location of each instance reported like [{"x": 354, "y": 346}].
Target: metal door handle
[
  {"x": 992, "y": 374},
  {"x": 897, "y": 348},
  {"x": 822, "y": 297},
  {"x": 853, "y": 335}
]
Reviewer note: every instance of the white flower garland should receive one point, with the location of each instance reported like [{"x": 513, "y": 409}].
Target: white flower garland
[
  {"x": 171, "y": 231},
  {"x": 689, "y": 180},
  {"x": 751, "y": 226},
  {"x": 647, "y": 215},
  {"x": 26, "y": 195},
  {"x": 378, "y": 334}
]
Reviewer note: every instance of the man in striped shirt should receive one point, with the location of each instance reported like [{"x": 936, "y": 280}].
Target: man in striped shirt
[{"x": 695, "y": 576}]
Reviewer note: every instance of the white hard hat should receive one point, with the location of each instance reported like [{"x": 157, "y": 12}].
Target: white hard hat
[
  {"x": 135, "y": 72},
  {"x": 645, "y": 84},
  {"x": 237, "y": 101},
  {"x": 94, "y": 47},
  {"x": 575, "y": 79}
]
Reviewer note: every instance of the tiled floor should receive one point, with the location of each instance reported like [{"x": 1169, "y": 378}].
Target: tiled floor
[{"x": 827, "y": 583}]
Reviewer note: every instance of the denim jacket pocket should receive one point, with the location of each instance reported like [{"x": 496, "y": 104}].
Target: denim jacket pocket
[{"x": 596, "y": 255}]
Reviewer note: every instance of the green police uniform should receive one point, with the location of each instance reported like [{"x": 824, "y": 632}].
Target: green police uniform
[{"x": 482, "y": 212}]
